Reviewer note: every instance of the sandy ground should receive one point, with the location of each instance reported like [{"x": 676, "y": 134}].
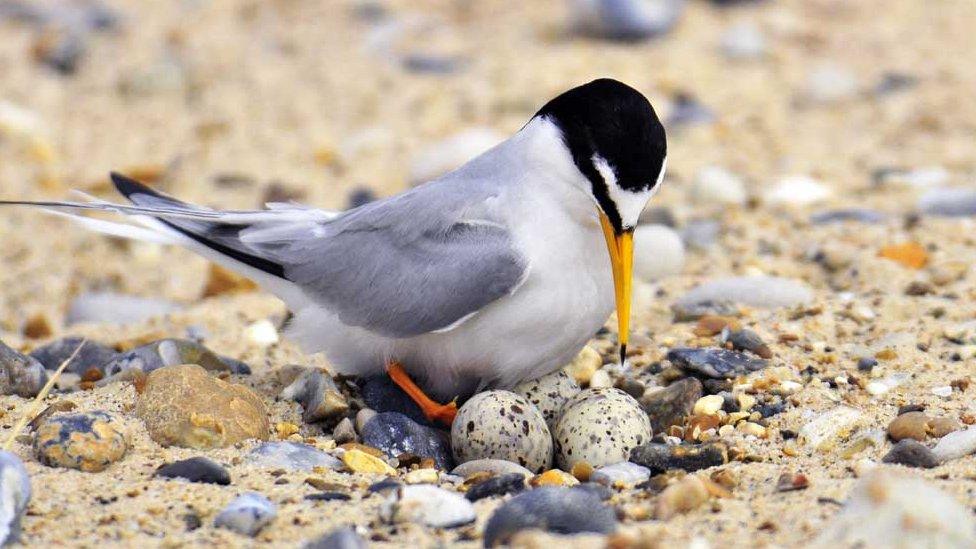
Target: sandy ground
[{"x": 307, "y": 95}]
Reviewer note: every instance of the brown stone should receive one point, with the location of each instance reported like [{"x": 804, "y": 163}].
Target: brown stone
[
  {"x": 913, "y": 425},
  {"x": 942, "y": 426},
  {"x": 185, "y": 406}
]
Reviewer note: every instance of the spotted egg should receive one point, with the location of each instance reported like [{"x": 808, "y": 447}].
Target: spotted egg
[
  {"x": 548, "y": 393},
  {"x": 501, "y": 425},
  {"x": 599, "y": 426}
]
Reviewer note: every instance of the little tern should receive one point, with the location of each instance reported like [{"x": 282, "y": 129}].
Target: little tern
[{"x": 493, "y": 274}]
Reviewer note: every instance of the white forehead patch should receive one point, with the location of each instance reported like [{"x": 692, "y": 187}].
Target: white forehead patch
[{"x": 629, "y": 204}]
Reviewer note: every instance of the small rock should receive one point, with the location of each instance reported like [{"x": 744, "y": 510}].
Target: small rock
[
  {"x": 20, "y": 375},
  {"x": 91, "y": 355},
  {"x": 15, "y": 494},
  {"x": 829, "y": 84},
  {"x": 947, "y": 202},
  {"x": 600, "y": 379},
  {"x": 428, "y": 505},
  {"x": 185, "y": 406},
  {"x": 715, "y": 185},
  {"x": 586, "y": 363},
  {"x": 918, "y": 178},
  {"x": 112, "y": 308},
  {"x": 892, "y": 82},
  {"x": 196, "y": 469},
  {"x": 701, "y": 234},
  {"x": 686, "y": 110},
  {"x": 422, "y": 63},
  {"x": 681, "y": 497},
  {"x": 554, "y": 477},
  {"x": 743, "y": 42},
  {"x": 318, "y": 395},
  {"x": 625, "y": 20},
  {"x": 764, "y": 292},
  {"x": 553, "y": 509},
  {"x": 798, "y": 190},
  {"x": 909, "y": 254},
  {"x": 501, "y": 425},
  {"x": 60, "y": 48},
  {"x": 600, "y": 427},
  {"x": 446, "y": 155},
  {"x": 708, "y": 405},
  {"x": 397, "y": 434},
  {"x": 359, "y": 461},
  {"x": 511, "y": 483},
  {"x": 885, "y": 509},
  {"x": 659, "y": 252},
  {"x": 345, "y": 432},
  {"x": 669, "y": 406},
  {"x": 166, "y": 352},
  {"x": 382, "y": 395},
  {"x": 747, "y": 340},
  {"x": 495, "y": 467},
  {"x": 621, "y": 475},
  {"x": 941, "y": 426},
  {"x": 943, "y": 391},
  {"x": 247, "y": 514},
  {"x": 859, "y": 215},
  {"x": 911, "y": 453},
  {"x": 340, "y": 538},
  {"x": 825, "y": 431},
  {"x": 687, "y": 310},
  {"x": 422, "y": 476},
  {"x": 789, "y": 482},
  {"x": 913, "y": 425},
  {"x": 293, "y": 456},
  {"x": 660, "y": 458},
  {"x": 866, "y": 364},
  {"x": 88, "y": 441},
  {"x": 548, "y": 394},
  {"x": 362, "y": 418},
  {"x": 881, "y": 386},
  {"x": 715, "y": 363},
  {"x": 262, "y": 333},
  {"x": 956, "y": 445}
]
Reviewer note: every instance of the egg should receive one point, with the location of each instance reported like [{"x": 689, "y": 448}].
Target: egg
[
  {"x": 548, "y": 393},
  {"x": 599, "y": 426},
  {"x": 501, "y": 425}
]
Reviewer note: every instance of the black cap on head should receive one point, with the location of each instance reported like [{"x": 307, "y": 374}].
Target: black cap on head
[{"x": 610, "y": 119}]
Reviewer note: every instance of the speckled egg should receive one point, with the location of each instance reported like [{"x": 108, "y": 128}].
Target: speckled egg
[
  {"x": 600, "y": 427},
  {"x": 548, "y": 394},
  {"x": 501, "y": 425},
  {"x": 88, "y": 442}
]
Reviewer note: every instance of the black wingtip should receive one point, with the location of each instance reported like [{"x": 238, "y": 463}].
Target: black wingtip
[{"x": 128, "y": 186}]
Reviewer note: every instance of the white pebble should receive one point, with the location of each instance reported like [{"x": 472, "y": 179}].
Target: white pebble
[
  {"x": 825, "y": 430},
  {"x": 717, "y": 185},
  {"x": 743, "y": 41},
  {"x": 428, "y": 505},
  {"x": 798, "y": 190},
  {"x": 621, "y": 475},
  {"x": 600, "y": 379},
  {"x": 262, "y": 333},
  {"x": 708, "y": 405},
  {"x": 956, "y": 445},
  {"x": 659, "y": 252},
  {"x": 247, "y": 514},
  {"x": 830, "y": 84},
  {"x": 943, "y": 391}
]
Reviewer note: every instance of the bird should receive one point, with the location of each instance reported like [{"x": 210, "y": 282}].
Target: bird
[{"x": 495, "y": 273}]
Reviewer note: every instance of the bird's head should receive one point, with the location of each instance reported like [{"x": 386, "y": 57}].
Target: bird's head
[{"x": 618, "y": 145}]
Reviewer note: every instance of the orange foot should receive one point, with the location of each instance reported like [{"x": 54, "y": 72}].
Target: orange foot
[{"x": 443, "y": 413}]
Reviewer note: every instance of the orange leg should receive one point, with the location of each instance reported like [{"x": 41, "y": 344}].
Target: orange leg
[{"x": 443, "y": 413}]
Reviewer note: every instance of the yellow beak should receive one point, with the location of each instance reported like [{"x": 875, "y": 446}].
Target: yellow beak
[{"x": 621, "y": 248}]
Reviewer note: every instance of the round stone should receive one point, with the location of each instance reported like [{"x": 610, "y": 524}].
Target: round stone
[{"x": 88, "y": 441}]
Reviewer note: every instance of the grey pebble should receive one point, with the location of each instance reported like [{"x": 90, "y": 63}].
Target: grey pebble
[
  {"x": 247, "y": 514},
  {"x": 396, "y": 434},
  {"x": 345, "y": 432},
  {"x": 15, "y": 494},
  {"x": 859, "y": 215},
  {"x": 428, "y": 505},
  {"x": 911, "y": 453},
  {"x": 626, "y": 20},
  {"x": 340, "y": 538},
  {"x": 659, "y": 457},
  {"x": 91, "y": 355},
  {"x": 196, "y": 469},
  {"x": 318, "y": 394},
  {"x": 700, "y": 234},
  {"x": 686, "y": 311},
  {"x": 764, "y": 292},
  {"x": 497, "y": 486},
  {"x": 293, "y": 456},
  {"x": 670, "y": 405},
  {"x": 493, "y": 466},
  {"x": 166, "y": 352},
  {"x": 553, "y": 509},
  {"x": 20, "y": 375},
  {"x": 623, "y": 474},
  {"x": 948, "y": 202},
  {"x": 108, "y": 307},
  {"x": 715, "y": 363}
]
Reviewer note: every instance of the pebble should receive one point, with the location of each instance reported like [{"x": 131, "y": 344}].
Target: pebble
[
  {"x": 621, "y": 475},
  {"x": 448, "y": 154},
  {"x": 548, "y": 394},
  {"x": 382, "y": 395},
  {"x": 362, "y": 418},
  {"x": 701, "y": 234},
  {"x": 943, "y": 391},
  {"x": 89, "y": 441},
  {"x": 247, "y": 514},
  {"x": 586, "y": 363},
  {"x": 112, "y": 308},
  {"x": 359, "y": 461},
  {"x": 318, "y": 394},
  {"x": 743, "y": 41},
  {"x": 345, "y": 432},
  {"x": 422, "y": 476},
  {"x": 892, "y": 82},
  {"x": 886, "y": 509},
  {"x": 511, "y": 483},
  {"x": 600, "y": 427},
  {"x": 669, "y": 406},
  {"x": 428, "y": 505},
  {"x": 748, "y": 340},
  {"x": 601, "y": 379},
  {"x": 625, "y": 20},
  {"x": 956, "y": 445},
  {"x": 790, "y": 482},
  {"x": 15, "y": 494},
  {"x": 166, "y": 352},
  {"x": 293, "y": 456},
  {"x": 492, "y": 466},
  {"x": 683, "y": 496},
  {"x": 553, "y": 509},
  {"x": 764, "y": 292},
  {"x": 501, "y": 425},
  {"x": 397, "y": 434},
  {"x": 859, "y": 215},
  {"x": 942, "y": 426},
  {"x": 911, "y": 453},
  {"x": 340, "y": 538},
  {"x": 422, "y": 63},
  {"x": 554, "y": 477},
  {"x": 708, "y": 405},
  {"x": 659, "y": 252},
  {"x": 948, "y": 202},
  {"x": 913, "y": 425},
  {"x": 825, "y": 431},
  {"x": 830, "y": 84},
  {"x": 196, "y": 469},
  {"x": 687, "y": 310},
  {"x": 92, "y": 355},
  {"x": 716, "y": 185},
  {"x": 20, "y": 375},
  {"x": 660, "y": 457},
  {"x": 262, "y": 333},
  {"x": 881, "y": 386},
  {"x": 185, "y": 406},
  {"x": 918, "y": 178},
  {"x": 686, "y": 110},
  {"x": 797, "y": 190},
  {"x": 715, "y": 363}
]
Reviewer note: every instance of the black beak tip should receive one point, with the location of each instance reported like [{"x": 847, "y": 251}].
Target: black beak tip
[{"x": 623, "y": 353}]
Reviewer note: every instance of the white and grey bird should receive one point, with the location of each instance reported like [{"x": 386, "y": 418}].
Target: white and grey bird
[{"x": 495, "y": 273}]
